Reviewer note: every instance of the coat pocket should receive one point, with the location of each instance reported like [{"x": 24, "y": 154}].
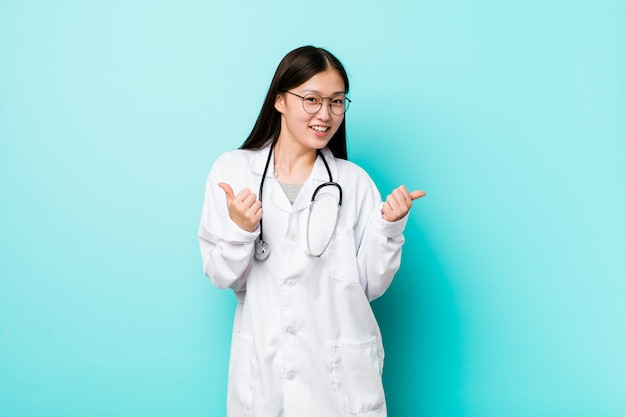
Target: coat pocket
[
  {"x": 243, "y": 372},
  {"x": 357, "y": 375},
  {"x": 342, "y": 264}
]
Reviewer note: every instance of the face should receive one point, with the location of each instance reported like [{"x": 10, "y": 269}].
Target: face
[{"x": 304, "y": 130}]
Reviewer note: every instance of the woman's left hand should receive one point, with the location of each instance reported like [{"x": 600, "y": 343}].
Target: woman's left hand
[{"x": 399, "y": 202}]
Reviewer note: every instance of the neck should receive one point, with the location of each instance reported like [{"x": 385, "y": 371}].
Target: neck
[{"x": 293, "y": 165}]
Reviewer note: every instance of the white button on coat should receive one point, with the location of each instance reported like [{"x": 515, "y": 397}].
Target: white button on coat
[{"x": 321, "y": 334}]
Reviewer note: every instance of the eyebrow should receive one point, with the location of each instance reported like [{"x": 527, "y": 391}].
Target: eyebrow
[{"x": 333, "y": 94}]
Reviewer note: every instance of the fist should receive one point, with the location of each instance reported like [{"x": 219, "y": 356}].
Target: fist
[
  {"x": 244, "y": 208},
  {"x": 399, "y": 202}
]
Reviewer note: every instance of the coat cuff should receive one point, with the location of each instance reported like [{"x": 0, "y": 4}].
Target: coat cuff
[
  {"x": 236, "y": 234},
  {"x": 390, "y": 229}
]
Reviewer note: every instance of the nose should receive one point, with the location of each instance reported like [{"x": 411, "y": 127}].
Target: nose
[{"x": 324, "y": 112}]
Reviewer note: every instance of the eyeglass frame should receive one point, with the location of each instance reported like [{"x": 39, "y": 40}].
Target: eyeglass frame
[{"x": 322, "y": 103}]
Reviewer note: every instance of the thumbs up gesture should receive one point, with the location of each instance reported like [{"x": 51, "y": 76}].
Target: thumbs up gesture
[
  {"x": 399, "y": 202},
  {"x": 244, "y": 208}
]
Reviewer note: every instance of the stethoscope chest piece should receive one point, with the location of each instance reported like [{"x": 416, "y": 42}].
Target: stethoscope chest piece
[{"x": 261, "y": 250}]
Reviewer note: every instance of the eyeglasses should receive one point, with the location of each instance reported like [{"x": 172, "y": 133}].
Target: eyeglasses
[{"x": 312, "y": 103}]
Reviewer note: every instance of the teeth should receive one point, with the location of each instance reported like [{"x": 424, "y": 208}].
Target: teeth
[{"x": 319, "y": 128}]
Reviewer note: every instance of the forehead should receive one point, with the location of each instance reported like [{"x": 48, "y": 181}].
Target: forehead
[{"x": 328, "y": 82}]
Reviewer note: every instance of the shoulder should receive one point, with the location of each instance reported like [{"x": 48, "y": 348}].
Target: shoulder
[
  {"x": 240, "y": 161},
  {"x": 353, "y": 177},
  {"x": 360, "y": 194},
  {"x": 348, "y": 171},
  {"x": 349, "y": 167},
  {"x": 236, "y": 156},
  {"x": 241, "y": 168}
]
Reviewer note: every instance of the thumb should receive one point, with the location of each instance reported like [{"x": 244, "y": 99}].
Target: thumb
[
  {"x": 417, "y": 194},
  {"x": 228, "y": 191}
]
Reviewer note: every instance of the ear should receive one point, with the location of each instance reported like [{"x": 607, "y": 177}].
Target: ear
[{"x": 279, "y": 103}]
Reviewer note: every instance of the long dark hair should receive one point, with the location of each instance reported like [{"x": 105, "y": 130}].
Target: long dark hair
[{"x": 297, "y": 67}]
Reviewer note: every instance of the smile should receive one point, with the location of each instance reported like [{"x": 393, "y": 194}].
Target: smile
[{"x": 320, "y": 128}]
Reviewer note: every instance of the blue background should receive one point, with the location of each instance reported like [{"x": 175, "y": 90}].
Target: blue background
[{"x": 510, "y": 114}]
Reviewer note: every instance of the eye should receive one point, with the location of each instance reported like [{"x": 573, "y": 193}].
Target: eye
[
  {"x": 312, "y": 99},
  {"x": 338, "y": 101}
]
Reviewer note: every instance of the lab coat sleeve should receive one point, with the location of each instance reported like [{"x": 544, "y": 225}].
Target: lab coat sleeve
[
  {"x": 227, "y": 250},
  {"x": 379, "y": 252}
]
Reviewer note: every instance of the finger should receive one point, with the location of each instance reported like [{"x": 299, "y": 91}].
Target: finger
[
  {"x": 252, "y": 216},
  {"x": 228, "y": 191},
  {"x": 417, "y": 194},
  {"x": 243, "y": 195},
  {"x": 390, "y": 211},
  {"x": 247, "y": 199},
  {"x": 391, "y": 208},
  {"x": 391, "y": 202},
  {"x": 256, "y": 211},
  {"x": 397, "y": 204},
  {"x": 401, "y": 202},
  {"x": 402, "y": 196}
]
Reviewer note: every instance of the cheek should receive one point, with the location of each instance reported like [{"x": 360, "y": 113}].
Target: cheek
[
  {"x": 295, "y": 121},
  {"x": 337, "y": 123}
]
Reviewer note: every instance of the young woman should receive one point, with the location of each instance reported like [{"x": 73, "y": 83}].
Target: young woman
[{"x": 305, "y": 341}]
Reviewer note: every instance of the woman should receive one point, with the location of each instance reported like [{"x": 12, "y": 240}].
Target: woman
[{"x": 305, "y": 340}]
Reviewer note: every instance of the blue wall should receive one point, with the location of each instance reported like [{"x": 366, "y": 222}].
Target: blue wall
[{"x": 510, "y": 300}]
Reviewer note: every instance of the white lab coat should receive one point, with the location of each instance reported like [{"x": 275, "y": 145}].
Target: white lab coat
[{"x": 305, "y": 341}]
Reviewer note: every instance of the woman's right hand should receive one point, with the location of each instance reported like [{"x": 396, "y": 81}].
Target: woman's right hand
[{"x": 244, "y": 208}]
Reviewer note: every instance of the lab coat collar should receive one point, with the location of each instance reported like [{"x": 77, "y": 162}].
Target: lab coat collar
[
  {"x": 274, "y": 193},
  {"x": 258, "y": 162}
]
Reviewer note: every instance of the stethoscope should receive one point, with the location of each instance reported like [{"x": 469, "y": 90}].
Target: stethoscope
[{"x": 262, "y": 248}]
